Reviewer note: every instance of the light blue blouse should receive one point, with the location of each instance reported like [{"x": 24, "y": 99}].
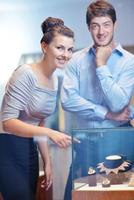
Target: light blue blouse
[
  {"x": 26, "y": 100},
  {"x": 91, "y": 92}
]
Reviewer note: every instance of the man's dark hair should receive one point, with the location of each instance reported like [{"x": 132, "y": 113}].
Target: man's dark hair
[{"x": 100, "y": 8}]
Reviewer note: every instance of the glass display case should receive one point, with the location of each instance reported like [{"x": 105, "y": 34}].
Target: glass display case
[{"x": 103, "y": 164}]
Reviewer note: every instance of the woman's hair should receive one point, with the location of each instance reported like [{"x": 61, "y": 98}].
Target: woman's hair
[
  {"x": 52, "y": 26},
  {"x": 100, "y": 8}
]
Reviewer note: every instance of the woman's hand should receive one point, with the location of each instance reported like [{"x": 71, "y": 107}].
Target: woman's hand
[
  {"x": 61, "y": 139},
  {"x": 48, "y": 177}
]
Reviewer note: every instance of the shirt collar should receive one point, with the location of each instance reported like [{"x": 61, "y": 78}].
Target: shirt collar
[
  {"x": 92, "y": 50},
  {"x": 118, "y": 49}
]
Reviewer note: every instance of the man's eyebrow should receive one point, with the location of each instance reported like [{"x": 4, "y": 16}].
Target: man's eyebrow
[
  {"x": 107, "y": 21},
  {"x": 102, "y": 23}
]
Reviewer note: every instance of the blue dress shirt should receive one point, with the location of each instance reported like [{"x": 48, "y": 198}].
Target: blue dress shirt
[{"x": 90, "y": 92}]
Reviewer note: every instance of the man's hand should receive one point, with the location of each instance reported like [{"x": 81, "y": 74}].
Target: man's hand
[
  {"x": 121, "y": 116},
  {"x": 102, "y": 55},
  {"x": 132, "y": 122}
]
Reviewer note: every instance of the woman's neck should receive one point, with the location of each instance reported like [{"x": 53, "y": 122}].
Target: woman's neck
[
  {"x": 44, "y": 73},
  {"x": 45, "y": 68}
]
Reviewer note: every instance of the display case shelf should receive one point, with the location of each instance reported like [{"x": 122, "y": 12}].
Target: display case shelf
[{"x": 110, "y": 155}]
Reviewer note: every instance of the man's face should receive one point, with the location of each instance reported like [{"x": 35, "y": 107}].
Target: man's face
[{"x": 102, "y": 30}]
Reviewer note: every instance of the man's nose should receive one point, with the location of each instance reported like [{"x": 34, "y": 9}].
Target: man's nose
[{"x": 101, "y": 30}]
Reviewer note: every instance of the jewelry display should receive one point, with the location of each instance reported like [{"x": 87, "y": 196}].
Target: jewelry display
[
  {"x": 92, "y": 177},
  {"x": 106, "y": 183},
  {"x": 113, "y": 167}
]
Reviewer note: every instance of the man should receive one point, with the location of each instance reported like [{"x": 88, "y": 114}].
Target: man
[{"x": 99, "y": 81}]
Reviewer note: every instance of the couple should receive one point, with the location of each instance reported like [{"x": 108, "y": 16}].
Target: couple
[{"x": 97, "y": 88}]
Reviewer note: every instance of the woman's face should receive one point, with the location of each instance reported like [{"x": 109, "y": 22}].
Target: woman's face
[{"x": 59, "y": 51}]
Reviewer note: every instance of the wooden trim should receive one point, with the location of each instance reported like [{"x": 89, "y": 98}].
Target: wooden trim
[
  {"x": 102, "y": 195},
  {"x": 41, "y": 193},
  {"x": 1, "y": 198}
]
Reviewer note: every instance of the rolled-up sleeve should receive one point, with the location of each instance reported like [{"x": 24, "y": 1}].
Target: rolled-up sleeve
[
  {"x": 17, "y": 94},
  {"x": 73, "y": 102},
  {"x": 117, "y": 92}
]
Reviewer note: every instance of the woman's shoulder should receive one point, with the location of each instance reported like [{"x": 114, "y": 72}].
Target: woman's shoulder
[
  {"x": 24, "y": 70},
  {"x": 23, "y": 73}
]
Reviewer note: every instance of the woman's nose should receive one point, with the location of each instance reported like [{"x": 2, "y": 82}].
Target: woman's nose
[{"x": 65, "y": 53}]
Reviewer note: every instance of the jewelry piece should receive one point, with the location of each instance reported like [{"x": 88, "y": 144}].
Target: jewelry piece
[
  {"x": 92, "y": 177},
  {"x": 106, "y": 183}
]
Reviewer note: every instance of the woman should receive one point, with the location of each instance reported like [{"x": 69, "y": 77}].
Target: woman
[{"x": 29, "y": 99}]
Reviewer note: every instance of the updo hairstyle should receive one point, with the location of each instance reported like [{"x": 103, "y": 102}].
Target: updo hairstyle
[{"x": 52, "y": 26}]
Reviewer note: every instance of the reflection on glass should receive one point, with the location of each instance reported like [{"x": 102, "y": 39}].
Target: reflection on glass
[{"x": 109, "y": 153}]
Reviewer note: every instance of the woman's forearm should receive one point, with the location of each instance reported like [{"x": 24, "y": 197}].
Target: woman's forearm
[
  {"x": 20, "y": 128},
  {"x": 44, "y": 151}
]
